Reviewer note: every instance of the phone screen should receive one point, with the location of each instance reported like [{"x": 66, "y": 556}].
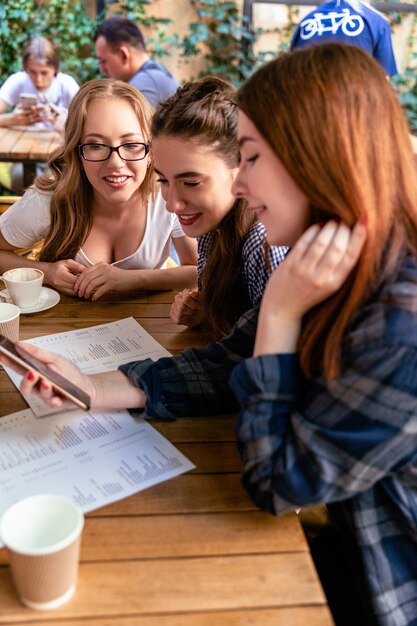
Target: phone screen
[
  {"x": 62, "y": 385},
  {"x": 27, "y": 100}
]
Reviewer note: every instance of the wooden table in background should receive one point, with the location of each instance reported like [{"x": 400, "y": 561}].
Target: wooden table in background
[
  {"x": 28, "y": 147},
  {"x": 192, "y": 551}
]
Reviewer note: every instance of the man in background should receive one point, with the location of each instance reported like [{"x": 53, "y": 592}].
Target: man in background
[
  {"x": 350, "y": 22},
  {"x": 121, "y": 51}
]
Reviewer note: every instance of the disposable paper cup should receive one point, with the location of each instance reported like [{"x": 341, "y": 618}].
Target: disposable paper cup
[
  {"x": 9, "y": 320},
  {"x": 43, "y": 535},
  {"x": 24, "y": 286}
]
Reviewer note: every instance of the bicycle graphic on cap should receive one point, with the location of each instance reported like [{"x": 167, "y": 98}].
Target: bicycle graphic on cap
[{"x": 350, "y": 25}]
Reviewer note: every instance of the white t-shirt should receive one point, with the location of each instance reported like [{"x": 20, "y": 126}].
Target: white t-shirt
[
  {"x": 60, "y": 92},
  {"x": 28, "y": 221}
]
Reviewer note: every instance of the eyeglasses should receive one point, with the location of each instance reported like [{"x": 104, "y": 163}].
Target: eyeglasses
[{"x": 102, "y": 152}]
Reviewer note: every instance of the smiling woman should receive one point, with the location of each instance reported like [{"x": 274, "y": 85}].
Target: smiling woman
[
  {"x": 104, "y": 225},
  {"x": 196, "y": 154}
]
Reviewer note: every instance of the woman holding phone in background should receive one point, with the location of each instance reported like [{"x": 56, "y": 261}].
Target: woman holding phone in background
[
  {"x": 326, "y": 373},
  {"x": 40, "y": 78},
  {"x": 38, "y": 96}
]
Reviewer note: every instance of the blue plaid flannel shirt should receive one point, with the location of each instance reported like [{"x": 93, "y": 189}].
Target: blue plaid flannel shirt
[
  {"x": 254, "y": 271},
  {"x": 351, "y": 442}
]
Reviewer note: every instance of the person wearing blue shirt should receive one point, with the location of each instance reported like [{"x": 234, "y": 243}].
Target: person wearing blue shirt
[
  {"x": 324, "y": 372},
  {"x": 351, "y": 22},
  {"x": 121, "y": 51}
]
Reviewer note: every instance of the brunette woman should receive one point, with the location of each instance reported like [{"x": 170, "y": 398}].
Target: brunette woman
[{"x": 196, "y": 156}]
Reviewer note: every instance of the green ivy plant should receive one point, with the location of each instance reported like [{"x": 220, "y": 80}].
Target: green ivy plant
[
  {"x": 160, "y": 44},
  {"x": 220, "y": 36},
  {"x": 405, "y": 84},
  {"x": 406, "y": 88},
  {"x": 224, "y": 39},
  {"x": 66, "y": 23}
]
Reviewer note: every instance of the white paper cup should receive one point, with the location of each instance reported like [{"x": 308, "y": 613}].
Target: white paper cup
[
  {"x": 43, "y": 536},
  {"x": 9, "y": 320},
  {"x": 24, "y": 286}
]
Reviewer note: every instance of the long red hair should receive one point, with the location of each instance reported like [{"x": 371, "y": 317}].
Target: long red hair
[{"x": 335, "y": 123}]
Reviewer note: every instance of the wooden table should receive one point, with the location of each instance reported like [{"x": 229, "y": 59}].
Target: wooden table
[
  {"x": 28, "y": 147},
  {"x": 192, "y": 551}
]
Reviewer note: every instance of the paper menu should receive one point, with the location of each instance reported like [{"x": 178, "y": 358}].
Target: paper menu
[
  {"x": 93, "y": 458},
  {"x": 104, "y": 347},
  {"x": 96, "y": 349}
]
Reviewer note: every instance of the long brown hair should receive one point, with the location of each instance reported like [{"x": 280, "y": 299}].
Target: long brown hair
[
  {"x": 335, "y": 123},
  {"x": 203, "y": 112},
  {"x": 72, "y": 194}
]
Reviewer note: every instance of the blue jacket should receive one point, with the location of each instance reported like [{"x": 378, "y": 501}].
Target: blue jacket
[{"x": 350, "y": 22}]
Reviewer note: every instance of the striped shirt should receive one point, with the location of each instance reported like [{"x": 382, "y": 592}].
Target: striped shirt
[{"x": 254, "y": 269}]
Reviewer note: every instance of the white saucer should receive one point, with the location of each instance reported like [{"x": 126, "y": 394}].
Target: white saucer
[{"x": 47, "y": 299}]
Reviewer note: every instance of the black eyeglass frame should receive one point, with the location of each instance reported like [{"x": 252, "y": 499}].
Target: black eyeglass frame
[{"x": 112, "y": 149}]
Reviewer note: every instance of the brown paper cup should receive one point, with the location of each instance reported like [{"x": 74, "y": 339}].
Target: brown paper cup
[
  {"x": 43, "y": 536},
  {"x": 9, "y": 320}
]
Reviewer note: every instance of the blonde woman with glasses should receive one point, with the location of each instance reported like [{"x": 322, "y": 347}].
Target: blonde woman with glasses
[{"x": 103, "y": 224}]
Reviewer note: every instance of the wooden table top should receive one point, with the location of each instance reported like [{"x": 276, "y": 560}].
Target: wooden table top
[
  {"x": 192, "y": 551},
  {"x": 20, "y": 144}
]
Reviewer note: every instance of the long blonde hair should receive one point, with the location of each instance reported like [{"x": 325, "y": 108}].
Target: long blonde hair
[
  {"x": 335, "y": 123},
  {"x": 72, "y": 194}
]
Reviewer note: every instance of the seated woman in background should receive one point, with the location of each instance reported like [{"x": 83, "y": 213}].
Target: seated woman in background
[
  {"x": 196, "y": 156},
  {"x": 41, "y": 78},
  {"x": 103, "y": 225},
  {"x": 329, "y": 398},
  {"x": 52, "y": 91}
]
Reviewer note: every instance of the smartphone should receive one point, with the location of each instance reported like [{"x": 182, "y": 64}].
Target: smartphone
[
  {"x": 62, "y": 385},
  {"x": 27, "y": 100}
]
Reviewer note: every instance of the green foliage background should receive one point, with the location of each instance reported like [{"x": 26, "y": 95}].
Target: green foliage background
[
  {"x": 219, "y": 35},
  {"x": 62, "y": 21},
  {"x": 406, "y": 88}
]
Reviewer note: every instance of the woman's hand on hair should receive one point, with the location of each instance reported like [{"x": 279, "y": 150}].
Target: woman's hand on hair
[
  {"x": 315, "y": 268},
  {"x": 186, "y": 308},
  {"x": 62, "y": 275}
]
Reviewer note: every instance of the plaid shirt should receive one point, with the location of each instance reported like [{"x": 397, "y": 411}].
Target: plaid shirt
[
  {"x": 351, "y": 442},
  {"x": 254, "y": 271}
]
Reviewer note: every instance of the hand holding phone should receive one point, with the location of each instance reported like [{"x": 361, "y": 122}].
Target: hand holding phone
[
  {"x": 28, "y": 100},
  {"x": 61, "y": 385}
]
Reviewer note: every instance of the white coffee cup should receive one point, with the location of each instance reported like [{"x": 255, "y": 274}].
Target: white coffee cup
[
  {"x": 42, "y": 535},
  {"x": 24, "y": 286},
  {"x": 9, "y": 320}
]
